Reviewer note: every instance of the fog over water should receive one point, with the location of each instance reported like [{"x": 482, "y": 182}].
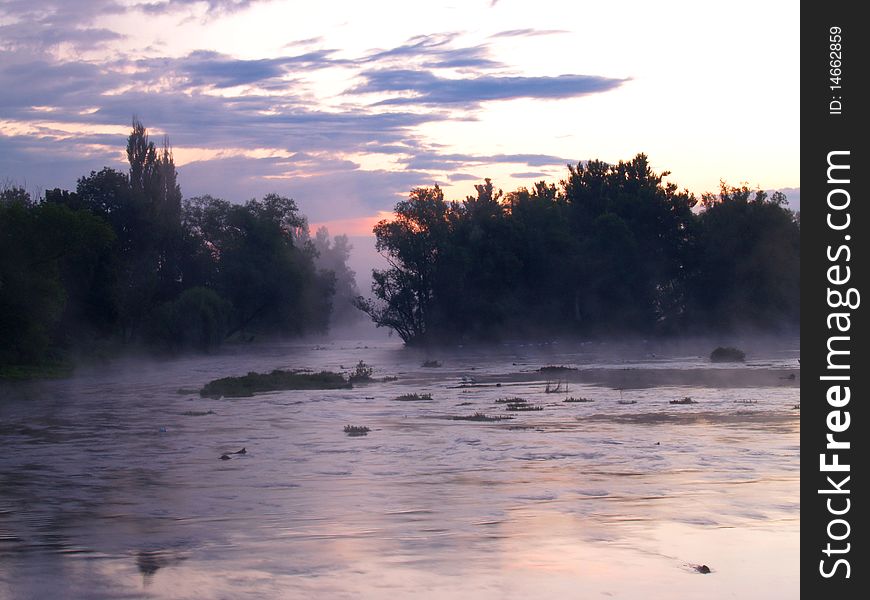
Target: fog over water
[{"x": 111, "y": 483}]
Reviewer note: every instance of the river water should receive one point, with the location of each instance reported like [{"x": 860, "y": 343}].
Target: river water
[{"x": 111, "y": 485}]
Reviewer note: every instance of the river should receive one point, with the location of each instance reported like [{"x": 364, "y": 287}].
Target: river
[{"x": 112, "y": 486}]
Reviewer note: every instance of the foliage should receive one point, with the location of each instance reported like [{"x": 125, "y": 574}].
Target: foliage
[
  {"x": 121, "y": 260},
  {"x": 612, "y": 249},
  {"x": 52, "y": 270},
  {"x": 256, "y": 256},
  {"x": 196, "y": 320},
  {"x": 746, "y": 268}
]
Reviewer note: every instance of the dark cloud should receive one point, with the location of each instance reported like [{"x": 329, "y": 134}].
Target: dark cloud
[{"x": 428, "y": 88}]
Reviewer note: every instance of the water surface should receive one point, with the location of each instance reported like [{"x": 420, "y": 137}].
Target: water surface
[{"x": 111, "y": 484}]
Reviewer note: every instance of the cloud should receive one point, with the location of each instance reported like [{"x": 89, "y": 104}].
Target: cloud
[
  {"x": 328, "y": 191},
  {"x": 211, "y": 69},
  {"x": 37, "y": 26},
  {"x": 462, "y": 177},
  {"x": 434, "y": 51},
  {"x": 427, "y": 88},
  {"x": 214, "y": 7},
  {"x": 537, "y": 175},
  {"x": 62, "y": 119},
  {"x": 71, "y": 85},
  {"x": 39, "y": 163},
  {"x": 527, "y": 33},
  {"x": 422, "y": 160}
]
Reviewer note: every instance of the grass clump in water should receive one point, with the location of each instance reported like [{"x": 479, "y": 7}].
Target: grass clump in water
[
  {"x": 362, "y": 373},
  {"x": 514, "y": 400},
  {"x": 479, "y": 416},
  {"x": 556, "y": 369},
  {"x": 573, "y": 399},
  {"x": 523, "y": 407},
  {"x": 686, "y": 400},
  {"x": 431, "y": 364},
  {"x": 413, "y": 397},
  {"x": 356, "y": 430},
  {"x": 250, "y": 384},
  {"x": 727, "y": 354},
  {"x": 197, "y": 413}
]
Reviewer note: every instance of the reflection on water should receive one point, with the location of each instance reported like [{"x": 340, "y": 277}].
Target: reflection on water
[{"x": 111, "y": 485}]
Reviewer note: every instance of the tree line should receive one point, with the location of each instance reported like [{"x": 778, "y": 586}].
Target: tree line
[
  {"x": 123, "y": 260},
  {"x": 613, "y": 249}
]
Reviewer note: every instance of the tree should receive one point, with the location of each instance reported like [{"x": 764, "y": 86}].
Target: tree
[
  {"x": 747, "y": 268},
  {"x": 332, "y": 256},
  {"x": 51, "y": 261},
  {"x": 657, "y": 238},
  {"x": 411, "y": 244},
  {"x": 257, "y": 256},
  {"x": 613, "y": 249}
]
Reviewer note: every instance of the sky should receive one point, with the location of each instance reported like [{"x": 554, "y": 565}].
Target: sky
[{"x": 346, "y": 106}]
